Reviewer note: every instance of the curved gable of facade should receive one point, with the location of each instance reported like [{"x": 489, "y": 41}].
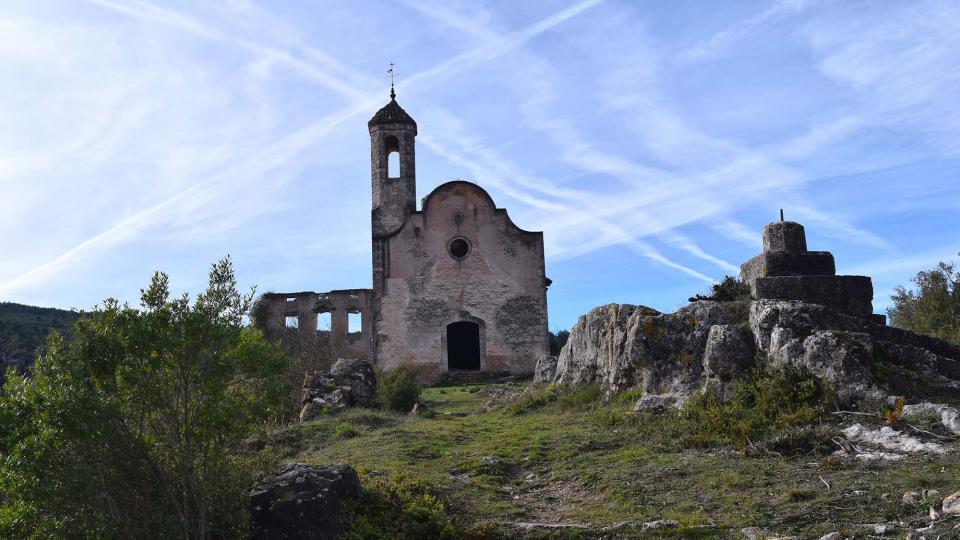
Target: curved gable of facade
[{"x": 469, "y": 190}]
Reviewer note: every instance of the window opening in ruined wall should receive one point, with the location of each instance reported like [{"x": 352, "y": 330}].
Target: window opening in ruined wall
[
  {"x": 354, "y": 322},
  {"x": 323, "y": 322},
  {"x": 292, "y": 321}
]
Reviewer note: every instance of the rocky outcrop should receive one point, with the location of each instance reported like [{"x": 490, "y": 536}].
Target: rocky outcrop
[
  {"x": 857, "y": 355},
  {"x": 302, "y": 501},
  {"x": 801, "y": 315},
  {"x": 729, "y": 354},
  {"x": 350, "y": 383},
  {"x": 710, "y": 344},
  {"x": 623, "y": 346},
  {"x": 546, "y": 369}
]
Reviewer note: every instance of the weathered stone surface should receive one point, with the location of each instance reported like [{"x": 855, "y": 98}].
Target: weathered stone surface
[
  {"x": 660, "y": 402},
  {"x": 704, "y": 345},
  {"x": 729, "y": 351},
  {"x": 949, "y": 416},
  {"x": 302, "y": 501},
  {"x": 350, "y": 383},
  {"x": 843, "y": 359},
  {"x": 951, "y": 504},
  {"x": 927, "y": 366},
  {"x": 850, "y": 294},
  {"x": 729, "y": 354},
  {"x": 890, "y": 439},
  {"x": 622, "y": 346},
  {"x": 784, "y": 236},
  {"x": 546, "y": 369},
  {"x": 788, "y": 263},
  {"x": 273, "y": 309}
]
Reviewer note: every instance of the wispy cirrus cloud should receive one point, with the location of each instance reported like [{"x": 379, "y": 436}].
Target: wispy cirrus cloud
[{"x": 163, "y": 134}]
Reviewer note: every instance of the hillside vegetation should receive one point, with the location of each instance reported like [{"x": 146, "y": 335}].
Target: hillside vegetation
[
  {"x": 23, "y": 329},
  {"x": 490, "y": 461}
]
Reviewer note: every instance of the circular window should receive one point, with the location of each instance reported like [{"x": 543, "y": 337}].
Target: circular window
[
  {"x": 459, "y": 248},
  {"x": 457, "y": 218}
]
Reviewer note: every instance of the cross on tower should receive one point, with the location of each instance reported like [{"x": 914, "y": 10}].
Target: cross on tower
[{"x": 392, "y": 74}]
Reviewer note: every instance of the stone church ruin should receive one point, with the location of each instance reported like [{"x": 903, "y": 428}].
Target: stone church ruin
[{"x": 457, "y": 286}]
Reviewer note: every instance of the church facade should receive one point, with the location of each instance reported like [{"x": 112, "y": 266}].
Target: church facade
[{"x": 457, "y": 286}]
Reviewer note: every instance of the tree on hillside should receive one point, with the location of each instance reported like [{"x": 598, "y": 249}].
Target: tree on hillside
[
  {"x": 557, "y": 341},
  {"x": 128, "y": 427},
  {"x": 933, "y": 308}
]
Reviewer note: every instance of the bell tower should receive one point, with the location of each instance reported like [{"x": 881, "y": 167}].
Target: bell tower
[
  {"x": 393, "y": 176},
  {"x": 392, "y": 167}
]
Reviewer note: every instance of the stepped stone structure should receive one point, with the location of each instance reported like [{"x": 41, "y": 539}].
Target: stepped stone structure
[
  {"x": 787, "y": 271},
  {"x": 457, "y": 286}
]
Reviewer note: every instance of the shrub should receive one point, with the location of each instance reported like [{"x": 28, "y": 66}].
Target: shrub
[
  {"x": 345, "y": 430},
  {"x": 762, "y": 404},
  {"x": 397, "y": 506},
  {"x": 398, "y": 389},
  {"x": 730, "y": 289},
  {"x": 581, "y": 398}
]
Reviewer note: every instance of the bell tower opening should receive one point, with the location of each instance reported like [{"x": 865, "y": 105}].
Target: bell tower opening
[
  {"x": 391, "y": 147},
  {"x": 463, "y": 346}
]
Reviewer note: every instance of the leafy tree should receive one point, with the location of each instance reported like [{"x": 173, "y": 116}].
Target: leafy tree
[
  {"x": 127, "y": 426},
  {"x": 557, "y": 341},
  {"x": 933, "y": 308}
]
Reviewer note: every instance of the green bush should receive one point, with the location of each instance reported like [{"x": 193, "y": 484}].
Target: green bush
[
  {"x": 762, "y": 404},
  {"x": 397, "y": 506},
  {"x": 345, "y": 430},
  {"x": 398, "y": 389},
  {"x": 730, "y": 289}
]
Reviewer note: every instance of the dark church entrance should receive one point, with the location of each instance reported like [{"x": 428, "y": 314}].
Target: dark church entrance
[{"x": 463, "y": 345}]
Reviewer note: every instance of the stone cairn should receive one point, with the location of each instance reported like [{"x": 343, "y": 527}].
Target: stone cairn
[{"x": 787, "y": 271}]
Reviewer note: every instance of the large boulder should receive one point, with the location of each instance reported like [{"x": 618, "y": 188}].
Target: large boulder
[
  {"x": 729, "y": 354},
  {"x": 842, "y": 359},
  {"x": 622, "y": 346},
  {"x": 302, "y": 502},
  {"x": 546, "y": 369},
  {"x": 860, "y": 357},
  {"x": 349, "y": 383}
]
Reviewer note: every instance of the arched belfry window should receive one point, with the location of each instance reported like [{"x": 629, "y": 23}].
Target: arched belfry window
[{"x": 391, "y": 146}]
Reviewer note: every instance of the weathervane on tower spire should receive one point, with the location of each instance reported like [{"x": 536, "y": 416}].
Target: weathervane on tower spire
[{"x": 392, "y": 74}]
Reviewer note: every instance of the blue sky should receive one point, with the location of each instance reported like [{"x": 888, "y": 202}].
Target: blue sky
[{"x": 649, "y": 140}]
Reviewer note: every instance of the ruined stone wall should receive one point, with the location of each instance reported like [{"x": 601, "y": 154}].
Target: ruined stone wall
[
  {"x": 306, "y": 306},
  {"x": 500, "y": 284}
]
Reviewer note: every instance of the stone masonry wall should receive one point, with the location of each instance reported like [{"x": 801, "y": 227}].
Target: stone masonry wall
[{"x": 500, "y": 285}]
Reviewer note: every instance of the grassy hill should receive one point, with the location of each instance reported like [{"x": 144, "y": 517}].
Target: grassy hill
[
  {"x": 571, "y": 465},
  {"x": 23, "y": 329}
]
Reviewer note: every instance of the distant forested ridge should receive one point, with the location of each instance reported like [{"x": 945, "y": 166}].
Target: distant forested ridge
[{"x": 23, "y": 329}]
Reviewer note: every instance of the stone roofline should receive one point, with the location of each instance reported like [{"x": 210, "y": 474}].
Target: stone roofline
[
  {"x": 425, "y": 203},
  {"x": 309, "y": 293}
]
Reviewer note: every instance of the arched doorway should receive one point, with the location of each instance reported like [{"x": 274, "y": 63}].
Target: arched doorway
[{"x": 463, "y": 346}]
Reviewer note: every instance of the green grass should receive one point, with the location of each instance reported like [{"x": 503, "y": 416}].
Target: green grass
[{"x": 573, "y": 457}]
